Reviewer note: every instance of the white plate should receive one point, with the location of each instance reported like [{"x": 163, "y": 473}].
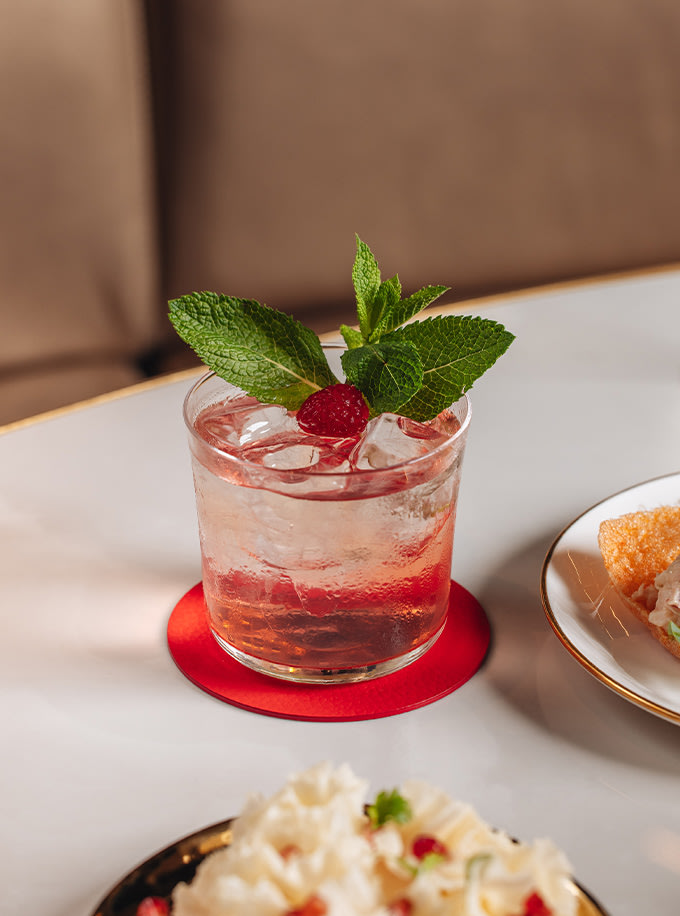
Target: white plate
[{"x": 590, "y": 619}]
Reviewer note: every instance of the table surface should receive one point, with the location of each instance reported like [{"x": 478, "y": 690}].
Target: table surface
[{"x": 109, "y": 753}]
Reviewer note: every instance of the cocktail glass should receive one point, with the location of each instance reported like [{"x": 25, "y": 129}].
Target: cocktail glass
[{"x": 323, "y": 560}]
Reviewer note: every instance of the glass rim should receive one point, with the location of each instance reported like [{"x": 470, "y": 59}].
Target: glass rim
[{"x": 290, "y": 474}]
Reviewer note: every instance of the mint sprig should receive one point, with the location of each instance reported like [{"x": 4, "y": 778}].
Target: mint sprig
[
  {"x": 389, "y": 806},
  {"x": 427, "y": 863},
  {"x": 418, "y": 368},
  {"x": 400, "y": 312},
  {"x": 388, "y": 373},
  {"x": 259, "y": 349},
  {"x": 455, "y": 350},
  {"x": 366, "y": 280},
  {"x": 414, "y": 368},
  {"x": 673, "y": 630}
]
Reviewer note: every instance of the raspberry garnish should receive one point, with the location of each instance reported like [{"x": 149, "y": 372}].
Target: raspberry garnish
[
  {"x": 400, "y": 907},
  {"x": 314, "y": 906},
  {"x": 338, "y": 410},
  {"x": 424, "y": 845},
  {"x": 153, "y": 906},
  {"x": 534, "y": 906}
]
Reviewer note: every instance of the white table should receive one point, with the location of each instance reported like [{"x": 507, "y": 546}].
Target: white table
[{"x": 109, "y": 753}]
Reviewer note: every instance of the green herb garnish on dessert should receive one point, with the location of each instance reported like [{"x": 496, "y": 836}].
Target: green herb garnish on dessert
[
  {"x": 412, "y": 368},
  {"x": 388, "y": 806},
  {"x": 674, "y": 631}
]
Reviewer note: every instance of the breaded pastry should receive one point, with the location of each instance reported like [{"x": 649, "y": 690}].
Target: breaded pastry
[{"x": 638, "y": 550}]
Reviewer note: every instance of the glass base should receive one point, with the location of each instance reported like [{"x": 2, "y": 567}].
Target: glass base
[{"x": 328, "y": 675}]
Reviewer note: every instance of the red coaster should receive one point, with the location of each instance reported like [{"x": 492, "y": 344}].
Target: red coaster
[{"x": 454, "y": 658}]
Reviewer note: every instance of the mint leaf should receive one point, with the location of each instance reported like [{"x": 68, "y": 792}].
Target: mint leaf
[
  {"x": 402, "y": 311},
  {"x": 259, "y": 349},
  {"x": 351, "y": 336},
  {"x": 386, "y": 300},
  {"x": 427, "y": 863},
  {"x": 430, "y": 861},
  {"x": 387, "y": 373},
  {"x": 389, "y": 806},
  {"x": 674, "y": 630},
  {"x": 366, "y": 280},
  {"x": 455, "y": 350}
]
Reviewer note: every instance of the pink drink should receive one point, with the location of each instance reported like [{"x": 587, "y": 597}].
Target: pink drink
[{"x": 324, "y": 560}]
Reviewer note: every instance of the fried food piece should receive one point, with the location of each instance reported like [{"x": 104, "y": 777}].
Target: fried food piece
[{"x": 636, "y": 548}]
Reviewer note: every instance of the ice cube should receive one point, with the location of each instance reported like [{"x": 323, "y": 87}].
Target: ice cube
[
  {"x": 288, "y": 457},
  {"x": 446, "y": 424},
  {"x": 298, "y": 449},
  {"x": 390, "y": 440},
  {"x": 235, "y": 425},
  {"x": 424, "y": 431},
  {"x": 265, "y": 422}
]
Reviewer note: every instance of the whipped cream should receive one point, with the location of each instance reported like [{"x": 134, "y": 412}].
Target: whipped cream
[{"x": 312, "y": 845}]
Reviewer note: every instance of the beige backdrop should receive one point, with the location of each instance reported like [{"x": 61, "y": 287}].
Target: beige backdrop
[{"x": 149, "y": 149}]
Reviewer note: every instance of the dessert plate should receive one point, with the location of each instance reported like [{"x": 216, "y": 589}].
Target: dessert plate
[
  {"x": 157, "y": 876},
  {"x": 593, "y": 623}
]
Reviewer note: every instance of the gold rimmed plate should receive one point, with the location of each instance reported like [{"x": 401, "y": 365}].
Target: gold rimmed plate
[
  {"x": 158, "y": 875},
  {"x": 592, "y": 622}
]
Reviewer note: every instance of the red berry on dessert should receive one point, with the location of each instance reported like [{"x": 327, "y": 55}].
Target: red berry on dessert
[
  {"x": 153, "y": 906},
  {"x": 428, "y": 846},
  {"x": 401, "y": 907},
  {"x": 534, "y": 906},
  {"x": 314, "y": 906}
]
